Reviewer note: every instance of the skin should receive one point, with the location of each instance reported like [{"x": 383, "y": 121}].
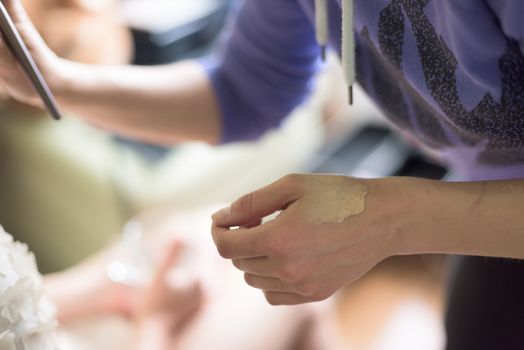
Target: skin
[
  {"x": 161, "y": 303},
  {"x": 159, "y": 309},
  {"x": 162, "y": 310},
  {"x": 125, "y": 99},
  {"x": 80, "y": 283},
  {"x": 345, "y": 199},
  {"x": 175, "y": 313},
  {"x": 295, "y": 260},
  {"x": 292, "y": 260}
]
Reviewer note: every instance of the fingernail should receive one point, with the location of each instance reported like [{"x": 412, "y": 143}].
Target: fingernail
[{"x": 222, "y": 214}]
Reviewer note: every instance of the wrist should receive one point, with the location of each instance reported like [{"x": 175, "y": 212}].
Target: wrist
[
  {"x": 60, "y": 78},
  {"x": 100, "y": 295},
  {"x": 65, "y": 289},
  {"x": 404, "y": 209},
  {"x": 425, "y": 212}
]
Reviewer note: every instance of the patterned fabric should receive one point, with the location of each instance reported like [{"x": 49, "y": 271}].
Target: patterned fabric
[{"x": 448, "y": 72}]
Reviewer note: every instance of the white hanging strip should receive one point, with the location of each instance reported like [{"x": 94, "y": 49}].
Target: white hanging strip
[
  {"x": 348, "y": 46},
  {"x": 322, "y": 25}
]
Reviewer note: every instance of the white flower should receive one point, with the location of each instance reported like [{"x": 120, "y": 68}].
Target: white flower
[
  {"x": 27, "y": 318},
  {"x": 7, "y": 341}
]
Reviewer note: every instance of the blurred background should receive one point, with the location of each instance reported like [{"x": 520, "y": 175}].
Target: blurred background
[{"x": 68, "y": 189}]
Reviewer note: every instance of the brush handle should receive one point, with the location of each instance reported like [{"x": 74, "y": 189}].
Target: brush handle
[{"x": 17, "y": 46}]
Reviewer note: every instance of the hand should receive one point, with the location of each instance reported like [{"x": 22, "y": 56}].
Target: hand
[
  {"x": 12, "y": 77},
  {"x": 331, "y": 231},
  {"x": 165, "y": 302},
  {"x": 159, "y": 302},
  {"x": 88, "y": 282}
]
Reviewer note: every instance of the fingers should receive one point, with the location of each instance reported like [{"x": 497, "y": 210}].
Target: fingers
[
  {"x": 239, "y": 244},
  {"x": 278, "y": 298},
  {"x": 253, "y": 224},
  {"x": 257, "y": 266},
  {"x": 267, "y": 284},
  {"x": 259, "y": 204}
]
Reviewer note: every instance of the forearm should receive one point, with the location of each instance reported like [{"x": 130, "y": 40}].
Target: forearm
[
  {"x": 62, "y": 290},
  {"x": 78, "y": 294},
  {"x": 471, "y": 218},
  {"x": 162, "y": 105}
]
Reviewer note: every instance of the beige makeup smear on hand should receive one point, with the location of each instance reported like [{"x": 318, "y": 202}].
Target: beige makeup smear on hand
[{"x": 347, "y": 198}]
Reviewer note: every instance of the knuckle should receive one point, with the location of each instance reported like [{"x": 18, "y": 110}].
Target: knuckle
[
  {"x": 223, "y": 249},
  {"x": 276, "y": 244},
  {"x": 273, "y": 302},
  {"x": 250, "y": 280},
  {"x": 320, "y": 296},
  {"x": 237, "y": 264},
  {"x": 271, "y": 299},
  {"x": 244, "y": 204},
  {"x": 291, "y": 178},
  {"x": 308, "y": 289},
  {"x": 292, "y": 272},
  {"x": 291, "y": 181},
  {"x": 296, "y": 271},
  {"x": 299, "y": 180},
  {"x": 283, "y": 242}
]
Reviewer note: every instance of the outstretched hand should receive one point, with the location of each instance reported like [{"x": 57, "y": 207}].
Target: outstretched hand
[
  {"x": 330, "y": 232},
  {"x": 166, "y": 301}
]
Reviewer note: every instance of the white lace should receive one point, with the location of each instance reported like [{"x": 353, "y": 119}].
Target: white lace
[{"x": 26, "y": 316}]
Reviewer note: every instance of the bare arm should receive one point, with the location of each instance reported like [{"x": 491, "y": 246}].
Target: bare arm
[
  {"x": 165, "y": 104},
  {"x": 307, "y": 253},
  {"x": 82, "y": 292},
  {"x": 469, "y": 218}
]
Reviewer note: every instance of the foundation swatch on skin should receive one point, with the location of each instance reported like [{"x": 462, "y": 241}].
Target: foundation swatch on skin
[{"x": 348, "y": 198}]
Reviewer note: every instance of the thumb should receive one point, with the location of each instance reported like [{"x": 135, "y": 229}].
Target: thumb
[{"x": 256, "y": 205}]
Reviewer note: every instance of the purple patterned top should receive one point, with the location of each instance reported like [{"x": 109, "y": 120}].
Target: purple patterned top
[{"x": 449, "y": 72}]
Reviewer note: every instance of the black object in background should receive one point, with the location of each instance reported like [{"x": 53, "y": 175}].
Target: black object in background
[
  {"x": 375, "y": 151},
  {"x": 192, "y": 39},
  {"x": 419, "y": 166}
]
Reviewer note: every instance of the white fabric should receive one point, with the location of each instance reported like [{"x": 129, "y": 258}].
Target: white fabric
[{"x": 26, "y": 316}]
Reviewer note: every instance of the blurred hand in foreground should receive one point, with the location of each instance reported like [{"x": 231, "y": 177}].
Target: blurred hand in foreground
[
  {"x": 12, "y": 77},
  {"x": 170, "y": 301}
]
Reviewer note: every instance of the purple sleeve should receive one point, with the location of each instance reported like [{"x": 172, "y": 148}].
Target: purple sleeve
[{"x": 265, "y": 67}]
